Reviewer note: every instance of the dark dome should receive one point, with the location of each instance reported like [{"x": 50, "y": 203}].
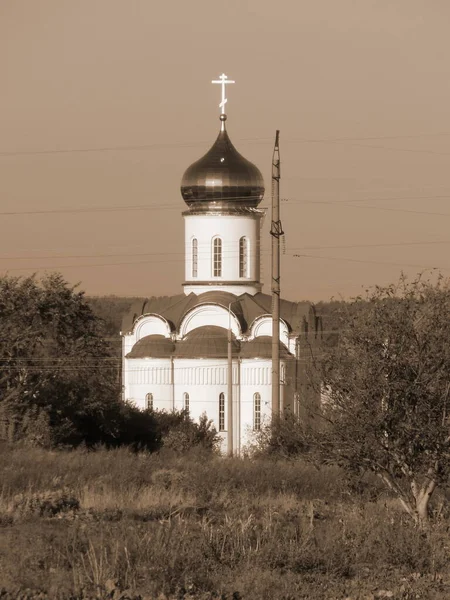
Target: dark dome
[
  {"x": 261, "y": 347},
  {"x": 222, "y": 178},
  {"x": 152, "y": 346},
  {"x": 206, "y": 342}
]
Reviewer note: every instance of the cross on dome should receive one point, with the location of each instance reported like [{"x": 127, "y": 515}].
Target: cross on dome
[{"x": 223, "y": 81}]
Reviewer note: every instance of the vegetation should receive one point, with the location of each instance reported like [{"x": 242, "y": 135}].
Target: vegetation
[
  {"x": 387, "y": 394},
  {"x": 116, "y": 524},
  {"x": 141, "y": 506},
  {"x": 111, "y": 310},
  {"x": 58, "y": 380}
]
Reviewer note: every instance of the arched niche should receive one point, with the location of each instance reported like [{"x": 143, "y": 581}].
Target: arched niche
[
  {"x": 208, "y": 314},
  {"x": 151, "y": 325},
  {"x": 263, "y": 326}
]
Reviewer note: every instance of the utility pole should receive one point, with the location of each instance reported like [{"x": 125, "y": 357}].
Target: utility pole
[
  {"x": 276, "y": 231},
  {"x": 230, "y": 388}
]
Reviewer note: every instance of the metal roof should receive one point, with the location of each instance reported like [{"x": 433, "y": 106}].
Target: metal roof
[
  {"x": 206, "y": 342},
  {"x": 261, "y": 347},
  {"x": 222, "y": 178},
  {"x": 152, "y": 346},
  {"x": 299, "y": 316}
]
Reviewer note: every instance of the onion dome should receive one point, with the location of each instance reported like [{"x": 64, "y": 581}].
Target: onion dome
[
  {"x": 206, "y": 342},
  {"x": 152, "y": 346},
  {"x": 222, "y": 178},
  {"x": 261, "y": 347}
]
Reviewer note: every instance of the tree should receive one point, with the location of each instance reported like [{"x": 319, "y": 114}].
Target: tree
[
  {"x": 58, "y": 376},
  {"x": 387, "y": 391}
]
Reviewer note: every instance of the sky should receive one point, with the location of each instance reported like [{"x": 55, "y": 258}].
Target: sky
[{"x": 105, "y": 103}]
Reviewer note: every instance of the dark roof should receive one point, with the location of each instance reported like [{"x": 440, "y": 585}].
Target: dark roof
[
  {"x": 206, "y": 342},
  {"x": 152, "y": 346},
  {"x": 299, "y": 316},
  {"x": 221, "y": 178},
  {"x": 261, "y": 347}
]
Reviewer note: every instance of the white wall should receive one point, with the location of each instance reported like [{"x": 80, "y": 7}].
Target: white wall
[
  {"x": 152, "y": 376},
  {"x": 230, "y": 228}
]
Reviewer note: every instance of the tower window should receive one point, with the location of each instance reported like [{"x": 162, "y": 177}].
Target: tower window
[
  {"x": 222, "y": 412},
  {"x": 217, "y": 257},
  {"x": 256, "y": 411},
  {"x": 194, "y": 257},
  {"x": 243, "y": 257},
  {"x": 149, "y": 401},
  {"x": 186, "y": 402}
]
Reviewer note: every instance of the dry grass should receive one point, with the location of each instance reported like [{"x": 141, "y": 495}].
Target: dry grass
[{"x": 201, "y": 527}]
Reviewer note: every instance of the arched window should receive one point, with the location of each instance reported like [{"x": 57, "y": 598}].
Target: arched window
[
  {"x": 222, "y": 412},
  {"x": 186, "y": 402},
  {"x": 194, "y": 257},
  {"x": 217, "y": 257},
  {"x": 257, "y": 411},
  {"x": 149, "y": 401},
  {"x": 243, "y": 257}
]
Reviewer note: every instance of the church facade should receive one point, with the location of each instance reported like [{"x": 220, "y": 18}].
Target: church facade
[{"x": 175, "y": 349}]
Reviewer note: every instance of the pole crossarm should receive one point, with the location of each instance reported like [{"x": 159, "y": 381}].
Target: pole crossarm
[{"x": 276, "y": 229}]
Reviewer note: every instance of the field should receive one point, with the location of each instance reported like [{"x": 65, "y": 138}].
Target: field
[{"x": 113, "y": 524}]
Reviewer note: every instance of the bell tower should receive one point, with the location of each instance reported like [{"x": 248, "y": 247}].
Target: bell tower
[{"x": 222, "y": 223}]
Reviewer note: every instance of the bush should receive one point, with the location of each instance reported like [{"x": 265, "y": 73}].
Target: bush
[
  {"x": 175, "y": 431},
  {"x": 283, "y": 437}
]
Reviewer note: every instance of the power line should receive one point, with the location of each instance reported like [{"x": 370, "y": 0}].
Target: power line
[
  {"x": 287, "y": 201},
  {"x": 375, "y": 262},
  {"x": 257, "y": 140},
  {"x": 343, "y": 204},
  {"x": 233, "y": 252}
]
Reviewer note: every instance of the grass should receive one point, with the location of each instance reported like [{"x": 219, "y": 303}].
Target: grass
[{"x": 113, "y": 524}]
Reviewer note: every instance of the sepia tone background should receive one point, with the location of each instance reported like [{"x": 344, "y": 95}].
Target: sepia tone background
[{"x": 104, "y": 103}]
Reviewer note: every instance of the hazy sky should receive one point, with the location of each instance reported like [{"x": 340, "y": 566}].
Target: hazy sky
[{"x": 360, "y": 90}]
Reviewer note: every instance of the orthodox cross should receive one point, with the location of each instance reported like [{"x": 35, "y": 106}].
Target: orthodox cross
[{"x": 223, "y": 81}]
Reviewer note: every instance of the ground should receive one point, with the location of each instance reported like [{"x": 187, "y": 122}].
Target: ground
[{"x": 113, "y": 524}]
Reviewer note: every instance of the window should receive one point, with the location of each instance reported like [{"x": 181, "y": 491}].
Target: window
[
  {"x": 186, "y": 402},
  {"x": 243, "y": 257},
  {"x": 222, "y": 412},
  {"x": 257, "y": 411},
  {"x": 194, "y": 257},
  {"x": 217, "y": 257},
  {"x": 149, "y": 401}
]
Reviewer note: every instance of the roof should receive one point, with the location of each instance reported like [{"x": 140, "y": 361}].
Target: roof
[
  {"x": 261, "y": 347},
  {"x": 299, "y": 316},
  {"x": 206, "y": 342},
  {"x": 152, "y": 346},
  {"x": 222, "y": 177}
]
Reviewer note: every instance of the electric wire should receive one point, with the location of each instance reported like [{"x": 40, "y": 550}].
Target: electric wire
[
  {"x": 226, "y": 252},
  {"x": 255, "y": 140},
  {"x": 287, "y": 202}
]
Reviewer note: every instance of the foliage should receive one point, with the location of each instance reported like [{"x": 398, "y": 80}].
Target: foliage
[
  {"x": 387, "y": 389},
  {"x": 111, "y": 310},
  {"x": 121, "y": 524},
  {"x": 283, "y": 437},
  {"x": 58, "y": 381},
  {"x": 153, "y": 430},
  {"x": 330, "y": 313}
]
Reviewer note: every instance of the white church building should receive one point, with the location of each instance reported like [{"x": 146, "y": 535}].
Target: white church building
[{"x": 175, "y": 348}]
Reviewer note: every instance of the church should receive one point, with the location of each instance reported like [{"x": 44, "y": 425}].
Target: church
[{"x": 175, "y": 350}]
